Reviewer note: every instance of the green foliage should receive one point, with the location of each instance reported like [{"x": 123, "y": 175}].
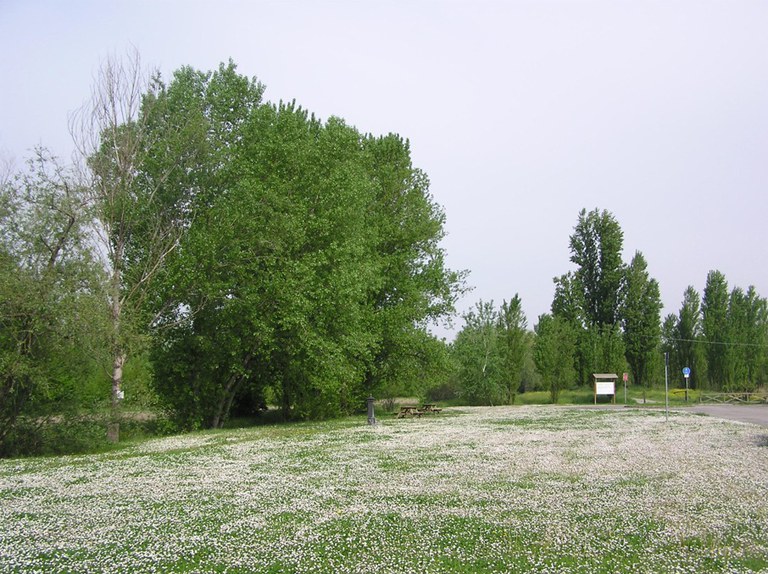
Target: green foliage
[
  {"x": 553, "y": 353},
  {"x": 746, "y": 333},
  {"x": 596, "y": 246},
  {"x": 49, "y": 310},
  {"x": 715, "y": 327},
  {"x": 252, "y": 253},
  {"x": 688, "y": 338},
  {"x": 476, "y": 354},
  {"x": 591, "y": 298},
  {"x": 310, "y": 276},
  {"x": 249, "y": 252},
  {"x": 412, "y": 286},
  {"x": 513, "y": 347},
  {"x": 640, "y": 316},
  {"x": 722, "y": 338},
  {"x": 489, "y": 352}
]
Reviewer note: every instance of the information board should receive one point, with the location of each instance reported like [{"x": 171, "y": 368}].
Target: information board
[{"x": 605, "y": 388}]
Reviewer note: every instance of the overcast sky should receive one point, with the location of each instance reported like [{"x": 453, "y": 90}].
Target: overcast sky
[{"x": 521, "y": 112}]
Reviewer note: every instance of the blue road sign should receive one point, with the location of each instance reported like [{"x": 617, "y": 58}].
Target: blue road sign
[{"x": 686, "y": 372}]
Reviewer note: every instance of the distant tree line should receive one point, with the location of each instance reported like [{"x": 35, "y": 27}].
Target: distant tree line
[
  {"x": 211, "y": 253},
  {"x": 605, "y": 317}
]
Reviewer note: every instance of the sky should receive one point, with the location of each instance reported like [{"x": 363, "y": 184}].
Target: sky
[{"x": 522, "y": 113}]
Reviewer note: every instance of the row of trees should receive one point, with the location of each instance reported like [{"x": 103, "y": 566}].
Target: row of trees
[
  {"x": 722, "y": 337},
  {"x": 223, "y": 250},
  {"x": 605, "y": 317}
]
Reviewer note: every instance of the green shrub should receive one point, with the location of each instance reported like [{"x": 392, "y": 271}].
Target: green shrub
[{"x": 444, "y": 392}]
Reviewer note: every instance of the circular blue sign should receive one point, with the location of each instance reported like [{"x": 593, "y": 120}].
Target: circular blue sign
[{"x": 686, "y": 371}]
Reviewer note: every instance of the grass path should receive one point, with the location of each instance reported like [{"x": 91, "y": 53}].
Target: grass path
[{"x": 507, "y": 489}]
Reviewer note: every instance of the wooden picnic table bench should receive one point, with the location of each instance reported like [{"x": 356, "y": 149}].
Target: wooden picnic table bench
[
  {"x": 409, "y": 411},
  {"x": 430, "y": 409},
  {"x": 414, "y": 411}
]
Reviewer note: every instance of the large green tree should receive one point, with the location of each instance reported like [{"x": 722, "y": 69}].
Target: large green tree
[
  {"x": 274, "y": 275},
  {"x": 553, "y": 353},
  {"x": 412, "y": 285},
  {"x": 715, "y": 328},
  {"x": 476, "y": 354},
  {"x": 596, "y": 245},
  {"x": 640, "y": 318},
  {"x": 745, "y": 353},
  {"x": 513, "y": 344},
  {"x": 311, "y": 275},
  {"x": 590, "y": 297},
  {"x": 689, "y": 350},
  {"x": 48, "y": 293}
]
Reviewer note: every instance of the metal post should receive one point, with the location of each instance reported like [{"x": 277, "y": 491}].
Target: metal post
[
  {"x": 666, "y": 383},
  {"x": 371, "y": 414},
  {"x": 625, "y": 377}
]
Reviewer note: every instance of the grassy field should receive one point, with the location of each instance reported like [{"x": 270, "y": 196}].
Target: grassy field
[{"x": 505, "y": 489}]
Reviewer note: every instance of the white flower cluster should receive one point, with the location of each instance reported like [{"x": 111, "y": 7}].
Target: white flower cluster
[{"x": 505, "y": 489}]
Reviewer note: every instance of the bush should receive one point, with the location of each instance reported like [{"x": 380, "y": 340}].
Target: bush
[
  {"x": 444, "y": 392},
  {"x": 61, "y": 435},
  {"x": 75, "y": 434}
]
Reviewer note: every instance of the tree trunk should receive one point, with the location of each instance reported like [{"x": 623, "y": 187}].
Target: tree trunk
[
  {"x": 118, "y": 353},
  {"x": 113, "y": 430},
  {"x": 286, "y": 399},
  {"x": 225, "y": 401},
  {"x": 228, "y": 401}
]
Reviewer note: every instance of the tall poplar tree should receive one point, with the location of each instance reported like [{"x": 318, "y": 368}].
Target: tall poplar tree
[
  {"x": 512, "y": 326},
  {"x": 745, "y": 354},
  {"x": 553, "y": 352},
  {"x": 757, "y": 350},
  {"x": 641, "y": 319},
  {"x": 590, "y": 297},
  {"x": 689, "y": 350},
  {"x": 596, "y": 246},
  {"x": 715, "y": 328}
]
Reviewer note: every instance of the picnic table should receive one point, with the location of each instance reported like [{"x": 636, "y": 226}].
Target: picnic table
[
  {"x": 409, "y": 411},
  {"x": 414, "y": 411},
  {"x": 430, "y": 409}
]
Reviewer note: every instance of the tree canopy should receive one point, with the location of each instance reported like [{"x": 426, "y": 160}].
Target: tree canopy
[
  {"x": 310, "y": 276},
  {"x": 249, "y": 251}
]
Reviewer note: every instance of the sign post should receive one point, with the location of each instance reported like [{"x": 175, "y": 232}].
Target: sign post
[
  {"x": 686, "y": 374},
  {"x": 666, "y": 384},
  {"x": 626, "y": 378}
]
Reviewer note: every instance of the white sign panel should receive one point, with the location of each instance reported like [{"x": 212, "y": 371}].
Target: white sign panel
[{"x": 605, "y": 388}]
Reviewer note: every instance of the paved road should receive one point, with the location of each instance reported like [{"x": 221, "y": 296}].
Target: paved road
[{"x": 756, "y": 414}]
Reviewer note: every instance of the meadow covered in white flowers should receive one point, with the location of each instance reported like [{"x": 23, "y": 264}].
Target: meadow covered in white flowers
[{"x": 506, "y": 489}]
